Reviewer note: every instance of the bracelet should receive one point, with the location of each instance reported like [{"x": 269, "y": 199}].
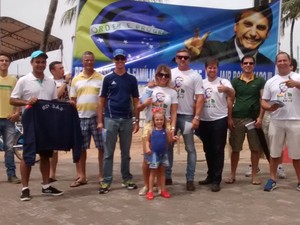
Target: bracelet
[
  {"x": 172, "y": 128},
  {"x": 197, "y": 117},
  {"x": 66, "y": 82}
]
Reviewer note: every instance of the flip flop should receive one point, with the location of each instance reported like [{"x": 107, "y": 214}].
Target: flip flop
[
  {"x": 256, "y": 182},
  {"x": 78, "y": 183},
  {"x": 230, "y": 181}
]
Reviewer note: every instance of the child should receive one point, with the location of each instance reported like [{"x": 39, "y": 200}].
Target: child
[{"x": 156, "y": 153}]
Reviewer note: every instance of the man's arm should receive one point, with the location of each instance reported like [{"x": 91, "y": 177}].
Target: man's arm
[
  {"x": 136, "y": 114},
  {"x": 260, "y": 117},
  {"x": 100, "y": 110},
  {"x": 198, "y": 109},
  {"x": 21, "y": 102}
]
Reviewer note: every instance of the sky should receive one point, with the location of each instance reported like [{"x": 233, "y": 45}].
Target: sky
[
  {"x": 27, "y": 12},
  {"x": 34, "y": 13}
]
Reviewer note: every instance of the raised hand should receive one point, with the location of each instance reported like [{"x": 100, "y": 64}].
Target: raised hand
[{"x": 196, "y": 43}]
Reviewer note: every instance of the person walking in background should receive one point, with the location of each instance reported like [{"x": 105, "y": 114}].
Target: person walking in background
[
  {"x": 189, "y": 87},
  {"x": 8, "y": 116},
  {"x": 62, "y": 82},
  {"x": 284, "y": 125},
  {"x": 84, "y": 93},
  {"x": 163, "y": 97},
  {"x": 155, "y": 153},
  {"x": 248, "y": 90},
  {"x": 27, "y": 91},
  {"x": 214, "y": 122},
  {"x": 118, "y": 101}
]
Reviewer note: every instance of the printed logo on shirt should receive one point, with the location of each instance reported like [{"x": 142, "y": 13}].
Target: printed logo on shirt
[
  {"x": 178, "y": 87},
  {"x": 209, "y": 102},
  {"x": 284, "y": 95}
]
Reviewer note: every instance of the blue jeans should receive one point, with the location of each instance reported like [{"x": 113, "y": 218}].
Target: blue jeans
[
  {"x": 114, "y": 128},
  {"x": 8, "y": 131},
  {"x": 189, "y": 147}
]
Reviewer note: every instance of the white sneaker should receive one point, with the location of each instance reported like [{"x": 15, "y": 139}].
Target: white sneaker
[
  {"x": 143, "y": 191},
  {"x": 249, "y": 171},
  {"x": 280, "y": 172}
]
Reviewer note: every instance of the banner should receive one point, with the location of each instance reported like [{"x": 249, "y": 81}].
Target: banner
[{"x": 151, "y": 34}]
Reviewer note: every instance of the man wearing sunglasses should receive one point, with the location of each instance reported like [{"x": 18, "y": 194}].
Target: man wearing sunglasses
[
  {"x": 189, "y": 87},
  {"x": 118, "y": 101},
  {"x": 248, "y": 91}
]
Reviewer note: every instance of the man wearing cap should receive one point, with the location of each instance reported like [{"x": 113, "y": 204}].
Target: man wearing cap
[
  {"x": 118, "y": 100},
  {"x": 27, "y": 91},
  {"x": 8, "y": 116},
  {"x": 85, "y": 90}
]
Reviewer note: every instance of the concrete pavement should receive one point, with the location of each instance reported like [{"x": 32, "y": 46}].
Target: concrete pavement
[{"x": 236, "y": 204}]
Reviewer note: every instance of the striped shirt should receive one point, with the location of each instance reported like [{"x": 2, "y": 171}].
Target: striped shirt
[{"x": 86, "y": 90}]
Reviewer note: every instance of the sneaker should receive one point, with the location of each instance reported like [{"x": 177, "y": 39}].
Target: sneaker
[
  {"x": 270, "y": 185},
  {"x": 104, "y": 188},
  {"x": 150, "y": 195},
  {"x": 280, "y": 172},
  {"x": 249, "y": 171},
  {"x": 169, "y": 181},
  {"x": 298, "y": 187},
  {"x": 129, "y": 185},
  {"x": 215, "y": 187},
  {"x": 190, "y": 186},
  {"x": 143, "y": 191},
  {"x": 205, "y": 182},
  {"x": 165, "y": 194},
  {"x": 14, "y": 179},
  {"x": 52, "y": 191},
  {"x": 25, "y": 196}
]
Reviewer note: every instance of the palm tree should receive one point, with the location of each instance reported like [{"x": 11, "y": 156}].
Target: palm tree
[
  {"x": 69, "y": 15},
  {"x": 48, "y": 24},
  {"x": 290, "y": 10}
]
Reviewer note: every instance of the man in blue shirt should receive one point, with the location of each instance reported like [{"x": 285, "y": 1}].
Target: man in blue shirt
[{"x": 118, "y": 99}]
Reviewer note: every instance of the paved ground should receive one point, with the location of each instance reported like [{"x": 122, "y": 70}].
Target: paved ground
[{"x": 239, "y": 203}]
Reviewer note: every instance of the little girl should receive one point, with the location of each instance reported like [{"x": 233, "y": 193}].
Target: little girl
[{"x": 156, "y": 153}]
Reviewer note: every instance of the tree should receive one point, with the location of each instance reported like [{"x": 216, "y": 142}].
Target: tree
[
  {"x": 290, "y": 10},
  {"x": 69, "y": 15},
  {"x": 48, "y": 24}
]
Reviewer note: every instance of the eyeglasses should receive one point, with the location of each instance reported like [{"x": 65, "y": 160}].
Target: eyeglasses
[
  {"x": 161, "y": 75},
  {"x": 248, "y": 63},
  {"x": 181, "y": 57},
  {"x": 120, "y": 58}
]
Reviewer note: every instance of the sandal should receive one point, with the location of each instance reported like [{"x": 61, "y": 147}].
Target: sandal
[
  {"x": 230, "y": 181},
  {"x": 78, "y": 183},
  {"x": 256, "y": 182}
]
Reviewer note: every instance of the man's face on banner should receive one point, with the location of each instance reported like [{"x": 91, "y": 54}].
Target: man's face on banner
[{"x": 252, "y": 30}]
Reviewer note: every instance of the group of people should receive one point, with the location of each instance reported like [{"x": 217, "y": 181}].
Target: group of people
[{"x": 176, "y": 99}]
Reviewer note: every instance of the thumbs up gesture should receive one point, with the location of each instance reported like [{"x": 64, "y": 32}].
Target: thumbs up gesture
[
  {"x": 290, "y": 83},
  {"x": 221, "y": 88}
]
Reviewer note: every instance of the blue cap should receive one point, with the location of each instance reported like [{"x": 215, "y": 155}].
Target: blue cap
[
  {"x": 119, "y": 52},
  {"x": 38, "y": 53}
]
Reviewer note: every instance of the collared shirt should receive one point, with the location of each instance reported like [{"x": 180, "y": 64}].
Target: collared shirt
[{"x": 29, "y": 86}]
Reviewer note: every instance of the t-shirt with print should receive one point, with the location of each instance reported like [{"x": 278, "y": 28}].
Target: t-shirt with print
[{"x": 187, "y": 84}]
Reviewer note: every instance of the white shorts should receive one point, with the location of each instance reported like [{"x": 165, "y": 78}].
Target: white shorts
[{"x": 281, "y": 132}]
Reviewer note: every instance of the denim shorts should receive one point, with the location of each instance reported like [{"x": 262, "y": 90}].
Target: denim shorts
[{"x": 154, "y": 160}]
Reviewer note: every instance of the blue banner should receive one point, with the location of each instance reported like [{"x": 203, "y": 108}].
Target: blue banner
[{"x": 152, "y": 33}]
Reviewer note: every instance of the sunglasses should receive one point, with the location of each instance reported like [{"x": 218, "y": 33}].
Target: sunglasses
[
  {"x": 248, "y": 63},
  {"x": 181, "y": 57},
  {"x": 120, "y": 58},
  {"x": 161, "y": 75}
]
